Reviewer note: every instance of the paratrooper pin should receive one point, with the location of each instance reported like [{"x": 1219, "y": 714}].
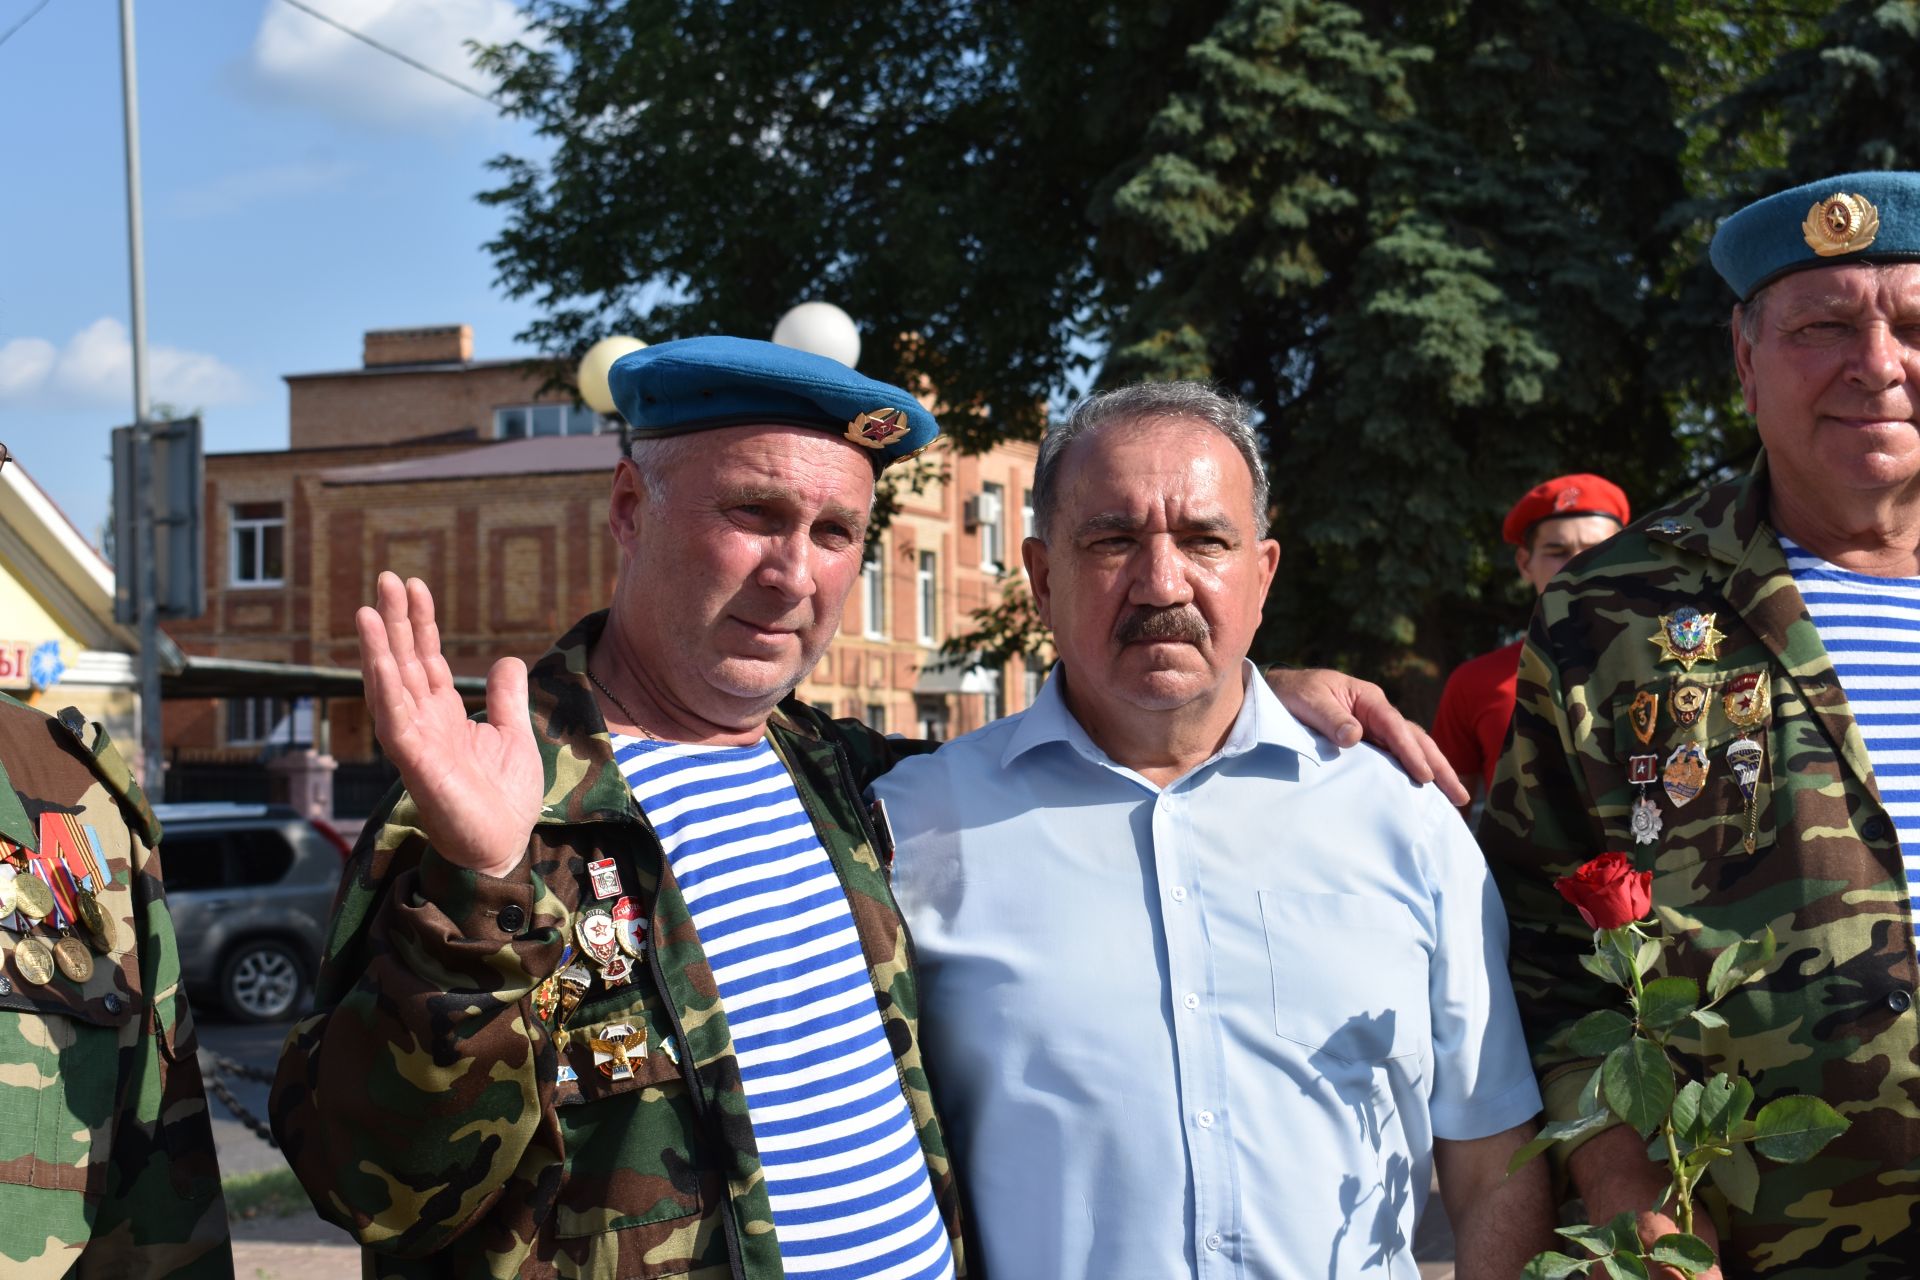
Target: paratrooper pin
[
  {"x": 633, "y": 928},
  {"x": 605, "y": 873},
  {"x": 574, "y": 981},
  {"x": 1688, "y": 700},
  {"x": 1687, "y": 636},
  {"x": 598, "y": 935},
  {"x": 615, "y": 1048},
  {"x": 1744, "y": 757},
  {"x": 1686, "y": 773},
  {"x": 1644, "y": 715}
]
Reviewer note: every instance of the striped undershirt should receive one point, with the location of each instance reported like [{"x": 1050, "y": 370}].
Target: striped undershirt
[
  {"x": 845, "y": 1174},
  {"x": 1871, "y": 630}
]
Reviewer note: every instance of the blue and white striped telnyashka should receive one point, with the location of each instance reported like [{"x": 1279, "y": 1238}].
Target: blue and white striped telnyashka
[
  {"x": 1871, "y": 630},
  {"x": 845, "y": 1173}
]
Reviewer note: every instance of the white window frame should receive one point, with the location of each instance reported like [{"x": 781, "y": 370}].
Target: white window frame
[
  {"x": 1026, "y": 513},
  {"x": 926, "y": 598},
  {"x": 569, "y": 417},
  {"x": 993, "y": 533},
  {"x": 254, "y": 528},
  {"x": 873, "y": 595},
  {"x": 875, "y": 716}
]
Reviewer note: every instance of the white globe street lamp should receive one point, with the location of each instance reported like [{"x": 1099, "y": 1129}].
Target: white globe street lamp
[
  {"x": 592, "y": 377},
  {"x": 823, "y": 329}
]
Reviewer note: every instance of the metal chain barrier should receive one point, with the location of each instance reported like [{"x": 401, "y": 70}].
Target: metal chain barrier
[{"x": 225, "y": 1066}]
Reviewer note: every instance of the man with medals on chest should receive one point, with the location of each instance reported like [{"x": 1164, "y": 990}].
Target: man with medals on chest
[
  {"x": 1729, "y": 691},
  {"x": 107, "y": 1164}
]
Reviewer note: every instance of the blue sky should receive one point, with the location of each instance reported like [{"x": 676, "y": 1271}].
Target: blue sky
[{"x": 299, "y": 188}]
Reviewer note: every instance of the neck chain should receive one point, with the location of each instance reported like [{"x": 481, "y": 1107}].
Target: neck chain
[{"x": 624, "y": 709}]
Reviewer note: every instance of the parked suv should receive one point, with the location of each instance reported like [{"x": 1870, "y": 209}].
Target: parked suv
[{"x": 250, "y": 887}]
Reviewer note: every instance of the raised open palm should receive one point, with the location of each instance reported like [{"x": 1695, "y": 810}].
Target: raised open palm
[{"x": 478, "y": 787}]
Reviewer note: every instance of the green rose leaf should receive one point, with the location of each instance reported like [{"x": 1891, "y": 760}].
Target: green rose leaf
[
  {"x": 1667, "y": 1002},
  {"x": 1560, "y": 1131},
  {"x": 1723, "y": 1104},
  {"x": 1739, "y": 963},
  {"x": 1638, "y": 1081},
  {"x": 1624, "y": 1266},
  {"x": 1600, "y": 1033},
  {"x": 1689, "y": 1253},
  {"x": 1554, "y": 1266},
  {"x": 1794, "y": 1129},
  {"x": 1708, "y": 1018},
  {"x": 1604, "y": 965},
  {"x": 1647, "y": 956},
  {"x": 1626, "y": 1235},
  {"x": 1737, "y": 1177},
  {"x": 1598, "y": 1240},
  {"x": 1687, "y": 1106}
]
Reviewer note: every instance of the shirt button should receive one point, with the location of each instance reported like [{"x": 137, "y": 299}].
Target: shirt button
[
  {"x": 513, "y": 918},
  {"x": 112, "y": 1001},
  {"x": 1206, "y": 1119},
  {"x": 1899, "y": 1000},
  {"x": 1190, "y": 1000},
  {"x": 1873, "y": 829},
  {"x": 1179, "y": 893},
  {"x": 1213, "y": 1241}
]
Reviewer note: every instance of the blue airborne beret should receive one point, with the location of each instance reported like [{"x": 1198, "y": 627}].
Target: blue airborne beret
[
  {"x": 1855, "y": 217},
  {"x": 694, "y": 384}
]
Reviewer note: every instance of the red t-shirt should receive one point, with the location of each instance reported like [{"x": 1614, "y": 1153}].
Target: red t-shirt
[{"x": 1475, "y": 709}]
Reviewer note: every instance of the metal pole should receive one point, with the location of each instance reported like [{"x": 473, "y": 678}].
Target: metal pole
[{"x": 146, "y": 587}]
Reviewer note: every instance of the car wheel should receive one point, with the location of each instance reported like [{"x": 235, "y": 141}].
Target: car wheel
[{"x": 262, "y": 981}]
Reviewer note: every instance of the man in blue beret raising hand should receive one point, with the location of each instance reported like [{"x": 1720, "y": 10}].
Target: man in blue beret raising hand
[{"x": 617, "y": 985}]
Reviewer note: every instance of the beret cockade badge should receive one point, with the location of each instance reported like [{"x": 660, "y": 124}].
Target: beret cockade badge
[
  {"x": 1840, "y": 224},
  {"x": 878, "y": 428}
]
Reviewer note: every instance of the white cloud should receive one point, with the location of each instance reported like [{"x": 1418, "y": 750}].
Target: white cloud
[
  {"x": 95, "y": 368},
  {"x": 233, "y": 192},
  {"x": 302, "y": 58}
]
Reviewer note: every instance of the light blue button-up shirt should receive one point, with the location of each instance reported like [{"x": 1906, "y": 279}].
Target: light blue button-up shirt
[{"x": 1210, "y": 1029}]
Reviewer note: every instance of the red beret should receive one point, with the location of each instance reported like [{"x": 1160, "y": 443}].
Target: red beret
[{"x": 1581, "y": 495}]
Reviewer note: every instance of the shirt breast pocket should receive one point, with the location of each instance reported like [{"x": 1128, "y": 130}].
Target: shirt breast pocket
[{"x": 1349, "y": 975}]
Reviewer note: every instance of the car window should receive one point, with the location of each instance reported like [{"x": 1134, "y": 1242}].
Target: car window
[
  {"x": 257, "y": 855},
  {"x": 193, "y": 861}
]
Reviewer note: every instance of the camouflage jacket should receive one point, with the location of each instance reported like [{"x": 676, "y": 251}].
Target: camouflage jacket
[
  {"x": 106, "y": 1155},
  {"x": 441, "y": 1107},
  {"x": 1834, "y": 1017}
]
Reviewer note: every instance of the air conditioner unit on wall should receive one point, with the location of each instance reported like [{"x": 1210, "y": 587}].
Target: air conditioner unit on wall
[{"x": 982, "y": 508}]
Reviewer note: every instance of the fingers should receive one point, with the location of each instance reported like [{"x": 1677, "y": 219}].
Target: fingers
[
  {"x": 426, "y": 637},
  {"x": 386, "y": 698},
  {"x": 1444, "y": 775},
  {"x": 395, "y": 611},
  {"x": 507, "y": 699}
]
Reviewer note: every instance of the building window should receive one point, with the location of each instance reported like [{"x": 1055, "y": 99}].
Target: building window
[
  {"x": 1036, "y": 676},
  {"x": 993, "y": 702},
  {"x": 992, "y": 524},
  {"x": 873, "y": 584},
  {"x": 876, "y": 717},
  {"x": 257, "y": 544},
  {"x": 256, "y": 722},
  {"x": 927, "y": 599},
  {"x": 519, "y": 421},
  {"x": 931, "y": 711},
  {"x": 1026, "y": 514}
]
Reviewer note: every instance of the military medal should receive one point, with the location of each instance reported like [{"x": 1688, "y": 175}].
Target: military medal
[
  {"x": 598, "y": 935},
  {"x": 74, "y": 959},
  {"x": 633, "y": 928},
  {"x": 615, "y": 1048},
  {"x": 1687, "y": 636},
  {"x": 618, "y": 973},
  {"x": 1746, "y": 703},
  {"x": 605, "y": 874},
  {"x": 9, "y": 896},
  {"x": 1744, "y": 757},
  {"x": 1644, "y": 818},
  {"x": 1669, "y": 526},
  {"x": 574, "y": 981},
  {"x": 1686, "y": 773},
  {"x": 1644, "y": 714},
  {"x": 98, "y": 924},
  {"x": 1642, "y": 770},
  {"x": 546, "y": 998},
  {"x": 34, "y": 960},
  {"x": 35, "y": 899},
  {"x": 1688, "y": 700}
]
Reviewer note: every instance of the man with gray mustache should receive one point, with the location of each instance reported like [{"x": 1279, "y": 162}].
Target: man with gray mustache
[{"x": 1207, "y": 995}]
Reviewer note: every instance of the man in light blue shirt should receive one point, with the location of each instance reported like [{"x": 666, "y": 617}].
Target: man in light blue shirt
[{"x": 1205, "y": 994}]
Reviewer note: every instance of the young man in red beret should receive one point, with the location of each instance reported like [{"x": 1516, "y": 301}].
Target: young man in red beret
[{"x": 1552, "y": 524}]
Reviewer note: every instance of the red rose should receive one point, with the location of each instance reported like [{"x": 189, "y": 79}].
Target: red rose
[{"x": 1608, "y": 892}]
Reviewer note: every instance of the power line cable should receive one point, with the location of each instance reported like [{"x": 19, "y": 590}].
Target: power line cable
[
  {"x": 31, "y": 14},
  {"x": 391, "y": 52}
]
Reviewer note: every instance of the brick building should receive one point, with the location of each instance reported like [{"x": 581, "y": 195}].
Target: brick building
[{"x": 463, "y": 472}]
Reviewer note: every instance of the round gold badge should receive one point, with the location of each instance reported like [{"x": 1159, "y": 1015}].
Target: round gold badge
[
  {"x": 36, "y": 899},
  {"x": 33, "y": 961},
  {"x": 73, "y": 958},
  {"x": 9, "y": 896},
  {"x": 99, "y": 925},
  {"x": 1841, "y": 223}
]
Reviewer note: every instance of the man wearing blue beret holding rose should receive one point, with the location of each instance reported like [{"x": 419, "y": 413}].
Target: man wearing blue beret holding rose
[
  {"x": 1729, "y": 689},
  {"x": 617, "y": 985}
]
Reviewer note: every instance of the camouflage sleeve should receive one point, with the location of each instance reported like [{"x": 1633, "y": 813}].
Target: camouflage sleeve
[
  {"x": 419, "y": 1093},
  {"x": 1539, "y": 826},
  {"x": 161, "y": 1212},
  {"x": 873, "y": 753}
]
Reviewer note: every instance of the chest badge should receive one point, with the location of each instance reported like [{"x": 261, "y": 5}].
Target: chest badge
[
  {"x": 605, "y": 874},
  {"x": 1669, "y": 526},
  {"x": 615, "y": 1048},
  {"x": 1746, "y": 701},
  {"x": 1644, "y": 820},
  {"x": 598, "y": 935},
  {"x": 1687, "y": 636},
  {"x": 1688, "y": 701},
  {"x": 1644, "y": 714},
  {"x": 1686, "y": 773},
  {"x": 633, "y": 928}
]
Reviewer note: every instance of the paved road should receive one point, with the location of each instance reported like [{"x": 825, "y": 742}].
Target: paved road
[{"x": 302, "y": 1247}]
